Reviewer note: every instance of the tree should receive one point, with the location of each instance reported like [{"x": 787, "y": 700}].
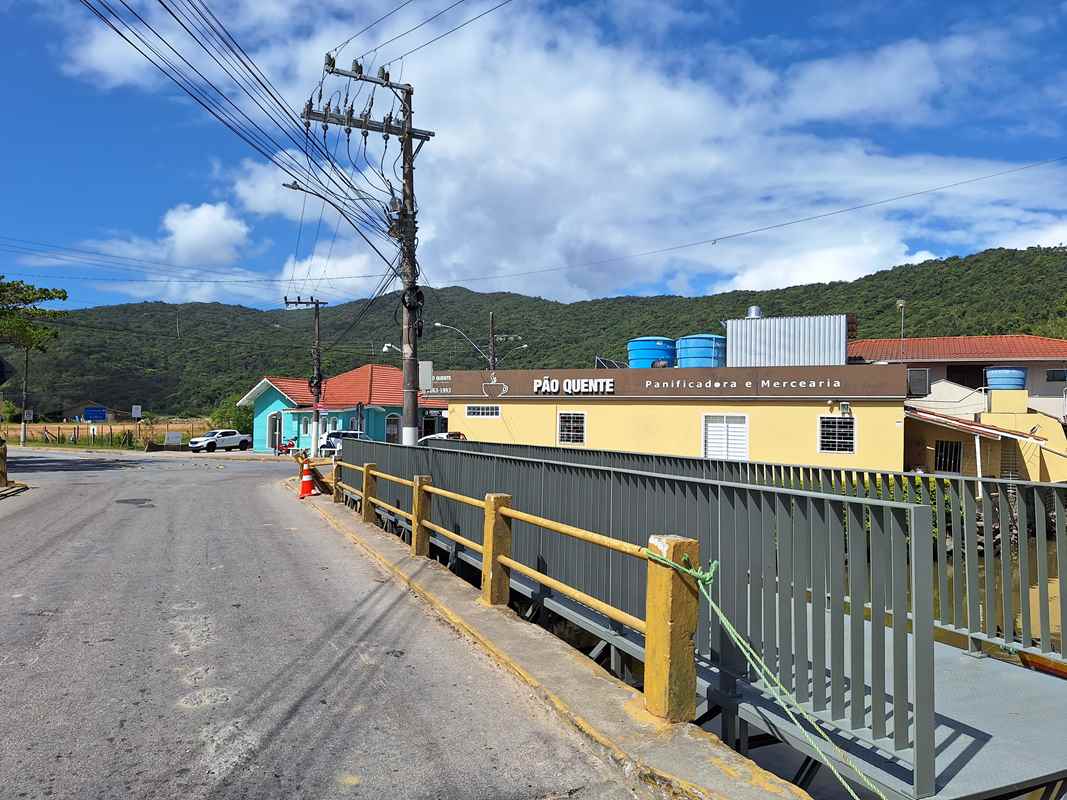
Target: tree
[
  {"x": 8, "y": 411},
  {"x": 21, "y": 314},
  {"x": 228, "y": 414}
]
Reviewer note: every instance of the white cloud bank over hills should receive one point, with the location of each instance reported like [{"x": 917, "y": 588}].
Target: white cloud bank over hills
[{"x": 561, "y": 141}]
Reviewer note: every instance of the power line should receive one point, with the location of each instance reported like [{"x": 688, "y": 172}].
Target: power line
[
  {"x": 412, "y": 30},
  {"x": 360, "y": 32},
  {"x": 463, "y": 24},
  {"x": 765, "y": 228}
]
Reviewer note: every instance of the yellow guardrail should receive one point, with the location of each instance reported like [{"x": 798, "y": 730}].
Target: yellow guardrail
[
  {"x": 671, "y": 612},
  {"x": 385, "y": 476}
]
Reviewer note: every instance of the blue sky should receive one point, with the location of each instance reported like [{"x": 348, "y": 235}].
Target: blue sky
[{"x": 568, "y": 133}]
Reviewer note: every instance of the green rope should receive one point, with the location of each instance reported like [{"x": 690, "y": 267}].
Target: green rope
[{"x": 783, "y": 696}]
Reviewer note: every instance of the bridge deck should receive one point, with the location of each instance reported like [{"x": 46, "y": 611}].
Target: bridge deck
[{"x": 1000, "y": 729}]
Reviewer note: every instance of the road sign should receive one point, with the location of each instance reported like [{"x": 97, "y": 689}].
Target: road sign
[
  {"x": 27, "y": 415},
  {"x": 95, "y": 414},
  {"x": 136, "y": 412},
  {"x": 173, "y": 438}
]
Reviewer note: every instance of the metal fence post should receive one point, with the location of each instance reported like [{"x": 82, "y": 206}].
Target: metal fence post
[
  {"x": 369, "y": 487},
  {"x": 420, "y": 510},
  {"x": 496, "y": 542},
  {"x": 671, "y": 608},
  {"x": 336, "y": 482},
  {"x": 922, "y": 654}
]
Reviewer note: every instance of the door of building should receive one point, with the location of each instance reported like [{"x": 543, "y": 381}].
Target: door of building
[
  {"x": 274, "y": 431},
  {"x": 726, "y": 437}
]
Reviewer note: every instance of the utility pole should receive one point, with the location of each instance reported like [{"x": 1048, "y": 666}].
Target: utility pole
[
  {"x": 25, "y": 382},
  {"x": 315, "y": 384},
  {"x": 403, "y": 225},
  {"x": 492, "y": 343}
]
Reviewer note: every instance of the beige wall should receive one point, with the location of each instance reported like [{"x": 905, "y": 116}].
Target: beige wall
[
  {"x": 779, "y": 431},
  {"x": 921, "y": 440}
]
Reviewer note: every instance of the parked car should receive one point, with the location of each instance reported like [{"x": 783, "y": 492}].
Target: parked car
[
  {"x": 453, "y": 435},
  {"x": 221, "y": 439},
  {"x": 330, "y": 443}
]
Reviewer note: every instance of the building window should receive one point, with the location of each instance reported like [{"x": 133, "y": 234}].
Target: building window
[
  {"x": 483, "y": 411},
  {"x": 726, "y": 437},
  {"x": 918, "y": 382},
  {"x": 837, "y": 434},
  {"x": 392, "y": 429},
  {"x": 948, "y": 456},
  {"x": 1056, "y": 375},
  {"x": 304, "y": 425},
  {"x": 353, "y": 423},
  {"x": 571, "y": 427}
]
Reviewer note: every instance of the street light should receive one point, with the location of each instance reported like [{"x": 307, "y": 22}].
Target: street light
[
  {"x": 509, "y": 352},
  {"x": 472, "y": 344},
  {"x": 387, "y": 347}
]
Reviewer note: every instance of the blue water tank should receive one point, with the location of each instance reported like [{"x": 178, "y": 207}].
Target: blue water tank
[
  {"x": 647, "y": 350},
  {"x": 1005, "y": 377},
  {"x": 701, "y": 350}
]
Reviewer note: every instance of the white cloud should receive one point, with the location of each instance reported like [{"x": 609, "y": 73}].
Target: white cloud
[{"x": 559, "y": 143}]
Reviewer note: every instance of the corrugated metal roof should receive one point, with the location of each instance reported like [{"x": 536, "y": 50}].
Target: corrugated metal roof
[
  {"x": 968, "y": 426},
  {"x": 371, "y": 384},
  {"x": 1013, "y": 347},
  {"x": 787, "y": 341}
]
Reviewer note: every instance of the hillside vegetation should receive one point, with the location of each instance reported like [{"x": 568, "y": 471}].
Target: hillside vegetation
[{"x": 183, "y": 359}]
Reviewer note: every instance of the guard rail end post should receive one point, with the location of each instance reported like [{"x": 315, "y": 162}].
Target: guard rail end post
[
  {"x": 336, "y": 482},
  {"x": 369, "y": 487},
  {"x": 671, "y": 608},
  {"x": 496, "y": 542},
  {"x": 3, "y": 464},
  {"x": 421, "y": 501}
]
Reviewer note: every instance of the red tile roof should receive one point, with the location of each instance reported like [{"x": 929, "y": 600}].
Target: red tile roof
[
  {"x": 371, "y": 384},
  {"x": 1015, "y": 347}
]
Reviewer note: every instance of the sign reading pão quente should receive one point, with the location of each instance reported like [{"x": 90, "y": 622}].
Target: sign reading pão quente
[{"x": 843, "y": 382}]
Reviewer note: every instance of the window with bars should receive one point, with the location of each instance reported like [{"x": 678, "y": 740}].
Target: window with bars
[
  {"x": 837, "y": 434},
  {"x": 483, "y": 411},
  {"x": 571, "y": 427},
  {"x": 948, "y": 456}
]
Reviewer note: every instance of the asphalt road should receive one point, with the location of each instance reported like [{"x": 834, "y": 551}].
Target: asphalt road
[{"x": 176, "y": 626}]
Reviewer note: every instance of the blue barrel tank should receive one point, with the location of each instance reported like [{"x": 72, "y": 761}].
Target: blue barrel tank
[
  {"x": 647, "y": 350},
  {"x": 701, "y": 350},
  {"x": 1005, "y": 377}
]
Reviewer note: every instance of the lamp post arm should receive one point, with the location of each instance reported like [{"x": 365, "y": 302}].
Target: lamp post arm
[{"x": 465, "y": 336}]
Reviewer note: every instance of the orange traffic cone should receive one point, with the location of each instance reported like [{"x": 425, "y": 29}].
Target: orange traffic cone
[{"x": 307, "y": 484}]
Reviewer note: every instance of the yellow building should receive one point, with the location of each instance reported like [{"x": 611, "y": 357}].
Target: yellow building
[{"x": 849, "y": 416}]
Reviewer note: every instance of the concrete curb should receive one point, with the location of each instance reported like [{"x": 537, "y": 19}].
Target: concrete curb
[
  {"x": 12, "y": 490},
  {"x": 677, "y": 760}
]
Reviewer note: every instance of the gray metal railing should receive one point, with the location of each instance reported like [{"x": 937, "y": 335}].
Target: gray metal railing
[
  {"x": 1000, "y": 545},
  {"x": 855, "y": 645}
]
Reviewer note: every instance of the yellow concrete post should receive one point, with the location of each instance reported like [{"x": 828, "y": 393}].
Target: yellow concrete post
[
  {"x": 369, "y": 488},
  {"x": 421, "y": 501},
  {"x": 337, "y": 483},
  {"x": 496, "y": 542},
  {"x": 671, "y": 606}
]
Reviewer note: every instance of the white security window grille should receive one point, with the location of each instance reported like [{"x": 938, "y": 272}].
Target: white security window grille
[
  {"x": 948, "y": 456},
  {"x": 483, "y": 411},
  {"x": 571, "y": 428},
  {"x": 837, "y": 434},
  {"x": 918, "y": 382},
  {"x": 726, "y": 437}
]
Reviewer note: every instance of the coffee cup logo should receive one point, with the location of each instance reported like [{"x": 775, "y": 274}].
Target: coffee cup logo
[{"x": 493, "y": 389}]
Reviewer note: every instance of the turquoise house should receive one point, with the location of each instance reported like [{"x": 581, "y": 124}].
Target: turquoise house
[{"x": 368, "y": 398}]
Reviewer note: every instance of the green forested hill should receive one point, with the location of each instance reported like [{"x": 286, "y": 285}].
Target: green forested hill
[{"x": 182, "y": 359}]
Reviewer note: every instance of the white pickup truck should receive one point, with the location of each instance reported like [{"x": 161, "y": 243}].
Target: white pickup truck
[{"x": 221, "y": 439}]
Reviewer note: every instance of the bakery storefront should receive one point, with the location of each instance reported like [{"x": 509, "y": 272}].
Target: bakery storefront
[{"x": 836, "y": 416}]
